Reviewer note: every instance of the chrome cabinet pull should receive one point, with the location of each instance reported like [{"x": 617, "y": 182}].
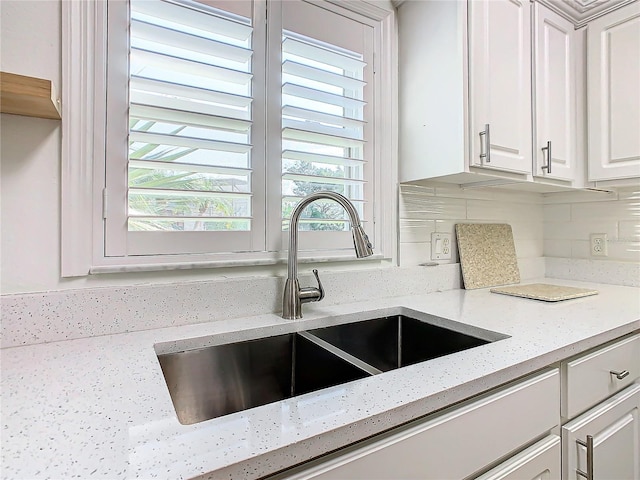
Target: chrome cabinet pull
[
  {"x": 589, "y": 446},
  {"x": 487, "y": 143},
  {"x": 547, "y": 167},
  {"x": 620, "y": 375}
]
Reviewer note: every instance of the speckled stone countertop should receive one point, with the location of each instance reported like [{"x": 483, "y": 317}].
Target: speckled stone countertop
[{"x": 99, "y": 407}]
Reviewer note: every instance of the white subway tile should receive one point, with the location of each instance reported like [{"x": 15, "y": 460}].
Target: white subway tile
[
  {"x": 629, "y": 230},
  {"x": 580, "y": 249},
  {"x": 557, "y": 248},
  {"x": 412, "y": 254},
  {"x": 528, "y": 230},
  {"x": 416, "y": 231},
  {"x": 625, "y": 251},
  {"x": 605, "y": 211},
  {"x": 528, "y": 248},
  {"x": 579, "y": 230},
  {"x": 629, "y": 193},
  {"x": 578, "y": 197},
  {"x": 503, "y": 212},
  {"x": 557, "y": 212}
]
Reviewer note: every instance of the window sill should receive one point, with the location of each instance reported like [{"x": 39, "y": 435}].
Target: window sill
[{"x": 158, "y": 267}]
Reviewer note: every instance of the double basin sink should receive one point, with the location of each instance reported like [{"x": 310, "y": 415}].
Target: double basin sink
[{"x": 210, "y": 382}]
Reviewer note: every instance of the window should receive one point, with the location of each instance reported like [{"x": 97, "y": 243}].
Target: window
[{"x": 218, "y": 117}]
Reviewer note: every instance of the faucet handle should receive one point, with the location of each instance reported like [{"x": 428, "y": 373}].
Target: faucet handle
[
  {"x": 315, "y": 273},
  {"x": 311, "y": 294}
]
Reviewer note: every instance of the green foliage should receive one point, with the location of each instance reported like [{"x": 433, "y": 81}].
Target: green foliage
[{"x": 320, "y": 210}]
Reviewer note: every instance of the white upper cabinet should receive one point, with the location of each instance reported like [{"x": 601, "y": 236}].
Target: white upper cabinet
[
  {"x": 613, "y": 69},
  {"x": 500, "y": 84},
  {"x": 555, "y": 56}
]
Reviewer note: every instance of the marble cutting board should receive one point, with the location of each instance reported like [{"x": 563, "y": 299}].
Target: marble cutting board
[
  {"x": 545, "y": 292},
  {"x": 487, "y": 255}
]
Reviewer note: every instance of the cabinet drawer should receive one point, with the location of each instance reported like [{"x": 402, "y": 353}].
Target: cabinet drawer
[
  {"x": 453, "y": 444},
  {"x": 539, "y": 461},
  {"x": 587, "y": 380}
]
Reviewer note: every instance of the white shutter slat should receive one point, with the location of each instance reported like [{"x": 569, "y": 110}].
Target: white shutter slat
[
  {"x": 164, "y": 192},
  {"x": 188, "y": 142},
  {"x": 171, "y": 63},
  {"x": 320, "y": 54},
  {"x": 289, "y": 133},
  {"x": 188, "y": 167},
  {"x": 299, "y": 177},
  {"x": 192, "y": 18},
  {"x": 320, "y": 96},
  {"x": 320, "y": 158},
  {"x": 187, "y": 91},
  {"x": 294, "y": 198},
  {"x": 322, "y": 76},
  {"x": 186, "y": 41},
  {"x": 177, "y": 117},
  {"x": 182, "y": 218},
  {"x": 320, "y": 129},
  {"x": 220, "y": 117},
  {"x": 325, "y": 118}
]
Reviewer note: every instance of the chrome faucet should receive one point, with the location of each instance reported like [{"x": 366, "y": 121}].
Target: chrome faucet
[{"x": 294, "y": 296}]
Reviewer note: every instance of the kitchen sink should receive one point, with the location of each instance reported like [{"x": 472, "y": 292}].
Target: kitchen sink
[
  {"x": 210, "y": 382},
  {"x": 218, "y": 380},
  {"x": 396, "y": 341}
]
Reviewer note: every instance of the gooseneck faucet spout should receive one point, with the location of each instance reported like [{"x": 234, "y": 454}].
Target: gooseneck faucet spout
[{"x": 294, "y": 296}]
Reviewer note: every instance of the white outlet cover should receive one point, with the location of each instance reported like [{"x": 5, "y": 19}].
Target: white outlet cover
[
  {"x": 598, "y": 245},
  {"x": 440, "y": 246}
]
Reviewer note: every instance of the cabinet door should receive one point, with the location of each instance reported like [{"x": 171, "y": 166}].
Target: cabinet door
[
  {"x": 541, "y": 461},
  {"x": 615, "y": 427},
  {"x": 454, "y": 444},
  {"x": 500, "y": 84},
  {"x": 555, "y": 94},
  {"x": 613, "y": 86}
]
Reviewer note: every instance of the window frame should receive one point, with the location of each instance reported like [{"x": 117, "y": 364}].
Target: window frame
[{"x": 84, "y": 27}]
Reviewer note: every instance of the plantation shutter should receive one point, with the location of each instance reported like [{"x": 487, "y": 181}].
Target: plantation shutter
[
  {"x": 325, "y": 129},
  {"x": 190, "y": 166}
]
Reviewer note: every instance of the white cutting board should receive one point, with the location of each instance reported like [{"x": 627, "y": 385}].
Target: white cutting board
[
  {"x": 545, "y": 292},
  {"x": 487, "y": 255}
]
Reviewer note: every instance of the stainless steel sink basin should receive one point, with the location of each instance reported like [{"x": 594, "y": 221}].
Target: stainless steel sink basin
[
  {"x": 218, "y": 380},
  {"x": 215, "y": 381},
  {"x": 396, "y": 341}
]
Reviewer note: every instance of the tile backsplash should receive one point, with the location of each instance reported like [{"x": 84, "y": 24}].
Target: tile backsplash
[
  {"x": 437, "y": 207},
  {"x": 569, "y": 219}
]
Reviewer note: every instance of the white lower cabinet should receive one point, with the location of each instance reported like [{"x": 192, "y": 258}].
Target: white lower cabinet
[
  {"x": 540, "y": 461},
  {"x": 605, "y": 439},
  {"x": 453, "y": 444},
  {"x": 511, "y": 432},
  {"x": 607, "y": 436}
]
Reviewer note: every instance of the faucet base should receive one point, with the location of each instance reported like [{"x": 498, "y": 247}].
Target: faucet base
[{"x": 291, "y": 305}]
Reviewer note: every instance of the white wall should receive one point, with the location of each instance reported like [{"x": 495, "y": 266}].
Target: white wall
[
  {"x": 569, "y": 219},
  {"x": 30, "y": 150},
  {"x": 437, "y": 207}
]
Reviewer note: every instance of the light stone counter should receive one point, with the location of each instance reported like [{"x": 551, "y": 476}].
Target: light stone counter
[{"x": 99, "y": 407}]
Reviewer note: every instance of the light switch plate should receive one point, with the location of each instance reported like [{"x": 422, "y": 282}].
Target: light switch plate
[{"x": 440, "y": 246}]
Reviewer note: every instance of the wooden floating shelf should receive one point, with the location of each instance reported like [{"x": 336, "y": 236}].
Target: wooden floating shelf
[{"x": 29, "y": 96}]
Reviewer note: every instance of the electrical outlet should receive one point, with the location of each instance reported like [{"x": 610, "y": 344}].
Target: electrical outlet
[
  {"x": 440, "y": 246},
  {"x": 598, "y": 244}
]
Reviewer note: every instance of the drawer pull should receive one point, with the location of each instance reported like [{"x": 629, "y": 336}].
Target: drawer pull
[
  {"x": 620, "y": 375},
  {"x": 589, "y": 446}
]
